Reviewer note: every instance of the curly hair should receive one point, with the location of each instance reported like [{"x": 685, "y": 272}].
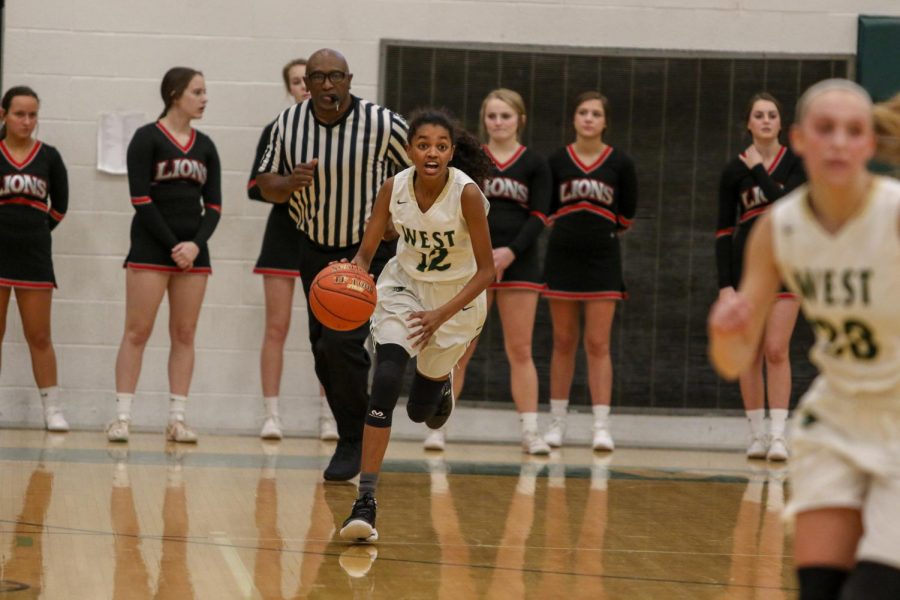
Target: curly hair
[{"x": 468, "y": 154}]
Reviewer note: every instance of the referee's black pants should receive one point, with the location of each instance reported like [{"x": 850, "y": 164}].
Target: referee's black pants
[{"x": 342, "y": 362}]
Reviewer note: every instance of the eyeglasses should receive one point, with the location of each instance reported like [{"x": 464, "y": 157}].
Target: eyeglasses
[{"x": 319, "y": 76}]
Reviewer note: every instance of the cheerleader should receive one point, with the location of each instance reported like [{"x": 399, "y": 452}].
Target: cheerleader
[
  {"x": 175, "y": 182},
  {"x": 836, "y": 244},
  {"x": 594, "y": 196},
  {"x": 764, "y": 172},
  {"x": 518, "y": 189},
  {"x": 279, "y": 264},
  {"x": 34, "y": 196}
]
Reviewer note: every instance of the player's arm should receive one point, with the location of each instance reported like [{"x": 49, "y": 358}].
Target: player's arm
[
  {"x": 253, "y": 191},
  {"x": 539, "y": 192},
  {"x": 59, "y": 190},
  {"x": 736, "y": 321},
  {"x": 628, "y": 195},
  {"x": 278, "y": 181},
  {"x": 139, "y": 159},
  {"x": 425, "y": 323},
  {"x": 378, "y": 224},
  {"x": 725, "y": 229}
]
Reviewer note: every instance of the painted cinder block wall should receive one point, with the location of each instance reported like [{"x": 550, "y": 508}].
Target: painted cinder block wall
[{"x": 85, "y": 58}]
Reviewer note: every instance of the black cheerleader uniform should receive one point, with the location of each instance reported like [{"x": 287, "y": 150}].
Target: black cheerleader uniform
[
  {"x": 744, "y": 195},
  {"x": 519, "y": 192},
  {"x": 592, "y": 203},
  {"x": 168, "y": 181},
  {"x": 34, "y": 197},
  {"x": 280, "y": 253}
]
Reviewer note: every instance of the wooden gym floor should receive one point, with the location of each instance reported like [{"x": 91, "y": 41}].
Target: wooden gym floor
[{"x": 238, "y": 518}]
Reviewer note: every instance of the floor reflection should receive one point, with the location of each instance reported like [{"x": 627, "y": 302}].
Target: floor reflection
[{"x": 259, "y": 523}]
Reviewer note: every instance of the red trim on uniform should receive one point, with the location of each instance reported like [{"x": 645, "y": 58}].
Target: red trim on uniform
[
  {"x": 544, "y": 218},
  {"x": 623, "y": 222},
  {"x": 750, "y": 214},
  {"x": 186, "y": 148},
  {"x": 787, "y": 296},
  {"x": 26, "y": 202},
  {"x": 518, "y": 285},
  {"x": 777, "y": 160},
  {"x": 584, "y": 205},
  {"x": 501, "y": 165},
  {"x": 141, "y": 200},
  {"x": 585, "y": 295},
  {"x": 165, "y": 268},
  {"x": 56, "y": 215},
  {"x": 251, "y": 184},
  {"x": 215, "y": 207},
  {"x": 24, "y": 163},
  {"x": 724, "y": 232},
  {"x": 592, "y": 167},
  {"x": 34, "y": 285},
  {"x": 276, "y": 272}
]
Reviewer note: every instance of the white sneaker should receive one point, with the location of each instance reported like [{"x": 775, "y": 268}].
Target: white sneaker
[
  {"x": 778, "y": 450},
  {"x": 328, "y": 431},
  {"x": 758, "y": 446},
  {"x": 55, "y": 421},
  {"x": 358, "y": 559},
  {"x": 435, "y": 440},
  {"x": 117, "y": 431},
  {"x": 271, "y": 428},
  {"x": 556, "y": 433},
  {"x": 602, "y": 438},
  {"x": 534, "y": 444},
  {"x": 179, "y": 431}
]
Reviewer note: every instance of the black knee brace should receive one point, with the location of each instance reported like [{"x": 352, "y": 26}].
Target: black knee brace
[
  {"x": 390, "y": 364},
  {"x": 424, "y": 397},
  {"x": 872, "y": 581},
  {"x": 821, "y": 583}
]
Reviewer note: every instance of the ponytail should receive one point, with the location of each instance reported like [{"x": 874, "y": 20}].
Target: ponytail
[
  {"x": 887, "y": 130},
  {"x": 468, "y": 154},
  {"x": 6, "y": 101}
]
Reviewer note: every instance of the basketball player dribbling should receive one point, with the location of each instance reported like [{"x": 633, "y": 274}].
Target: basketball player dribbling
[
  {"x": 836, "y": 243},
  {"x": 431, "y": 295}
]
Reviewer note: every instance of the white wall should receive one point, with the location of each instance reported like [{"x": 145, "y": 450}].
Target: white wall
[{"x": 85, "y": 57}]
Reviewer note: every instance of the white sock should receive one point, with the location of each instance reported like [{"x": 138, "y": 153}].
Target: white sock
[
  {"x": 601, "y": 413},
  {"x": 778, "y": 419},
  {"x": 49, "y": 397},
  {"x": 754, "y": 491},
  {"x": 271, "y": 404},
  {"x": 559, "y": 407},
  {"x": 757, "y": 420},
  {"x": 528, "y": 421},
  {"x": 177, "y": 404},
  {"x": 123, "y": 406}
]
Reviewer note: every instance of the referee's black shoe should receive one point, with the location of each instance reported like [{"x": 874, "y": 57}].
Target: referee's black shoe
[
  {"x": 444, "y": 409},
  {"x": 345, "y": 462},
  {"x": 360, "y": 525}
]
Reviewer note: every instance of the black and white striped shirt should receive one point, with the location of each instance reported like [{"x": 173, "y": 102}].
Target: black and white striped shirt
[{"x": 356, "y": 155}]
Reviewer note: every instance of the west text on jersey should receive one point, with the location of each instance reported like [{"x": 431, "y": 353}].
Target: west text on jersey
[
  {"x": 831, "y": 287},
  {"x": 428, "y": 239}
]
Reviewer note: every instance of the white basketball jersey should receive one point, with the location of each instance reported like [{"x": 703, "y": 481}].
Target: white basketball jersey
[
  {"x": 434, "y": 245},
  {"x": 849, "y": 286}
]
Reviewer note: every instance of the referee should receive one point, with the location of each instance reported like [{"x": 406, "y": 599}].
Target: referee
[{"x": 329, "y": 156}]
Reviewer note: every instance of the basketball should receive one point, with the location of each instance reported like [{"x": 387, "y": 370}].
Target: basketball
[{"x": 342, "y": 296}]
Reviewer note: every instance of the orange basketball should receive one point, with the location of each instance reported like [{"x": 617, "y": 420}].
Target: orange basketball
[{"x": 342, "y": 296}]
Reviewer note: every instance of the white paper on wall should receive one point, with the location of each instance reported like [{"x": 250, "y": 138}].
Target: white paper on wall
[{"x": 114, "y": 132}]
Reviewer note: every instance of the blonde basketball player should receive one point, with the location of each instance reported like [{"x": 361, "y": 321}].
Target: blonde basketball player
[
  {"x": 836, "y": 244},
  {"x": 431, "y": 295}
]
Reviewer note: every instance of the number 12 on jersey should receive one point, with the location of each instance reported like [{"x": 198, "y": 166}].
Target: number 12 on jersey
[{"x": 433, "y": 261}]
